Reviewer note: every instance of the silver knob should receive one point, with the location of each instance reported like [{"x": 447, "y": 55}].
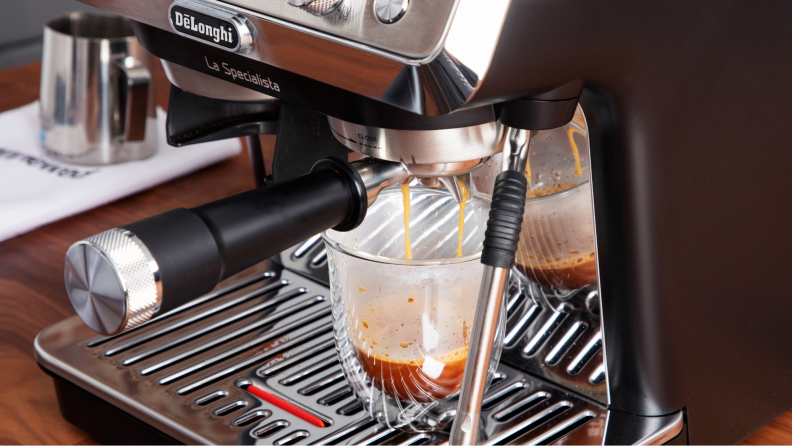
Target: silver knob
[
  {"x": 389, "y": 11},
  {"x": 321, "y": 7},
  {"x": 112, "y": 281}
]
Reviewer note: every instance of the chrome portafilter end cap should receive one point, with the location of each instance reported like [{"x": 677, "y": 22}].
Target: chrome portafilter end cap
[{"x": 112, "y": 281}]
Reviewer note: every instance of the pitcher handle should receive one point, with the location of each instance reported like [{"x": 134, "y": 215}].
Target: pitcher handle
[{"x": 135, "y": 83}]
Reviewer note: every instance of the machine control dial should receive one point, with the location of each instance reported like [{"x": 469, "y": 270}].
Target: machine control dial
[
  {"x": 316, "y": 7},
  {"x": 389, "y": 11}
]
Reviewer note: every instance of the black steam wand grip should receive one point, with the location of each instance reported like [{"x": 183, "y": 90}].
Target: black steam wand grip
[
  {"x": 505, "y": 219},
  {"x": 196, "y": 248}
]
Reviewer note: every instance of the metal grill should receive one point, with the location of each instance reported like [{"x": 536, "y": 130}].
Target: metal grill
[
  {"x": 186, "y": 374},
  {"x": 556, "y": 336}
]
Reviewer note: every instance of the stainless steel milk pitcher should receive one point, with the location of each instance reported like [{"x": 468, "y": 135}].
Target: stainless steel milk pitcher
[{"x": 97, "y": 93}]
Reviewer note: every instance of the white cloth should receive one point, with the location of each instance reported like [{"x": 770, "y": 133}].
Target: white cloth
[{"x": 36, "y": 190}]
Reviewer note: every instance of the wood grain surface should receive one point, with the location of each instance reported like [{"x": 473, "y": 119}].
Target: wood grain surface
[{"x": 32, "y": 295}]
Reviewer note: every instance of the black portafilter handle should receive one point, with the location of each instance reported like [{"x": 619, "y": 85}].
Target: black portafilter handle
[{"x": 123, "y": 277}]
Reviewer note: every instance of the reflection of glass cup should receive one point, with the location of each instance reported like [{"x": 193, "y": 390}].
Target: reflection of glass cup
[
  {"x": 403, "y": 326},
  {"x": 556, "y": 247}
]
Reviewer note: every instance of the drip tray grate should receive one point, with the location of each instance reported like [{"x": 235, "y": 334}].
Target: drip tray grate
[{"x": 186, "y": 374}]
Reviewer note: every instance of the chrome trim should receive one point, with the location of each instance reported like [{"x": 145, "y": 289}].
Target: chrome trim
[
  {"x": 592, "y": 180},
  {"x": 292, "y": 437},
  {"x": 561, "y": 426},
  {"x": 546, "y": 332},
  {"x": 243, "y": 27},
  {"x": 540, "y": 332},
  {"x": 415, "y": 439},
  {"x": 250, "y": 417},
  {"x": 320, "y": 258},
  {"x": 665, "y": 433},
  {"x": 390, "y": 11},
  {"x": 306, "y": 246},
  {"x": 445, "y": 170},
  {"x": 377, "y": 175},
  {"x": 519, "y": 405},
  {"x": 456, "y": 42},
  {"x": 229, "y": 408},
  {"x": 359, "y": 425},
  {"x": 598, "y": 376},
  {"x": 585, "y": 355},
  {"x": 514, "y": 332},
  {"x": 202, "y": 84},
  {"x": 113, "y": 281},
  {"x": 516, "y": 158},
  {"x": 503, "y": 435},
  {"x": 422, "y": 146},
  {"x": 270, "y": 429},
  {"x": 321, "y": 7},
  {"x": 210, "y": 397},
  {"x": 572, "y": 334}
]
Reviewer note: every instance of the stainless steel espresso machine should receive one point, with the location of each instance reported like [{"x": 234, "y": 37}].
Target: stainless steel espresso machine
[{"x": 684, "y": 338}]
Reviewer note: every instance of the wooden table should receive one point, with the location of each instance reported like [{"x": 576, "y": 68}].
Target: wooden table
[{"x": 32, "y": 295}]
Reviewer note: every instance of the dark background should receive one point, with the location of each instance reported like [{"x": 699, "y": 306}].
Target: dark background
[{"x": 21, "y": 24}]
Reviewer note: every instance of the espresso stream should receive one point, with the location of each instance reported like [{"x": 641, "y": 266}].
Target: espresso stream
[{"x": 405, "y": 190}]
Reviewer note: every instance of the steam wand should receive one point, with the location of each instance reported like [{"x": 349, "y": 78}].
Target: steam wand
[{"x": 500, "y": 246}]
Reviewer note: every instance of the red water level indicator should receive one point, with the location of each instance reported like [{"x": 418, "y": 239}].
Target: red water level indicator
[{"x": 285, "y": 405}]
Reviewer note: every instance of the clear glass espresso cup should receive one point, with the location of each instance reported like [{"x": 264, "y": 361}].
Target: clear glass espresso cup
[
  {"x": 402, "y": 326},
  {"x": 557, "y": 248}
]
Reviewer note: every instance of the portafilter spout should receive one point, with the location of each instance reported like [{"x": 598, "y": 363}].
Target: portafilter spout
[
  {"x": 124, "y": 277},
  {"x": 378, "y": 174}
]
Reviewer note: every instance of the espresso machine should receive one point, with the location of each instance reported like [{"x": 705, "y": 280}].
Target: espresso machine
[{"x": 682, "y": 340}]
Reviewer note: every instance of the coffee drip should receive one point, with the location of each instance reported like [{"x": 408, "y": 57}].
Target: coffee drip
[{"x": 463, "y": 196}]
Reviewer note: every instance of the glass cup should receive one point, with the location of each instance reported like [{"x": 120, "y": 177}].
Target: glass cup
[
  {"x": 557, "y": 248},
  {"x": 402, "y": 326}
]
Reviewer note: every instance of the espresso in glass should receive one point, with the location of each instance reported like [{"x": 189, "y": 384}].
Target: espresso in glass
[
  {"x": 557, "y": 248},
  {"x": 402, "y": 324},
  {"x": 392, "y": 346}
]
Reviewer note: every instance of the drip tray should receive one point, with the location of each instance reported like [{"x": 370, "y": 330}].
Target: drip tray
[{"x": 255, "y": 362}]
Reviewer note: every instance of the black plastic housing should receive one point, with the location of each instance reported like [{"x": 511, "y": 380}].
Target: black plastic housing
[
  {"x": 195, "y": 119},
  {"x": 197, "y": 248},
  {"x": 106, "y": 423}
]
